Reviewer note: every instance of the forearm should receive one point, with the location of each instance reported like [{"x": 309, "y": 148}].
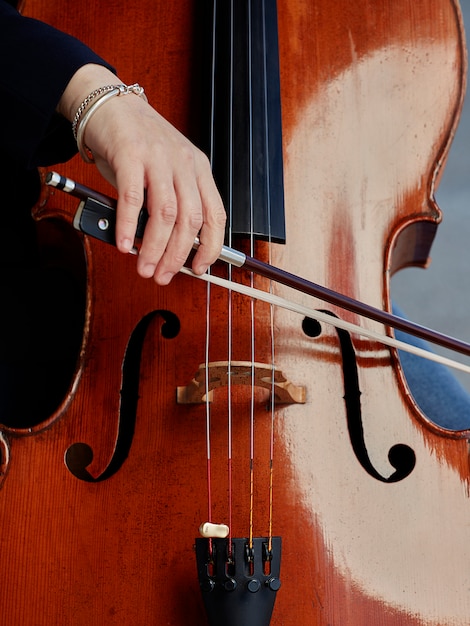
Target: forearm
[{"x": 86, "y": 79}]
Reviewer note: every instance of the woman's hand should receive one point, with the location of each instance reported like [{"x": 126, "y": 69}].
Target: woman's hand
[{"x": 138, "y": 151}]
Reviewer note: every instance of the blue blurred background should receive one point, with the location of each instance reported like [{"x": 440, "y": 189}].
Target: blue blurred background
[{"x": 439, "y": 297}]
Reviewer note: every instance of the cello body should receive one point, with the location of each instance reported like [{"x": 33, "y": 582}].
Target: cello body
[{"x": 100, "y": 503}]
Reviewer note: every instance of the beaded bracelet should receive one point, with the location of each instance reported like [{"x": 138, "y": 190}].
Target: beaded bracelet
[{"x": 91, "y": 104}]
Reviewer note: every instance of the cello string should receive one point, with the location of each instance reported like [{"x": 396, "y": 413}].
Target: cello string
[
  {"x": 208, "y": 294},
  {"x": 252, "y": 301},
  {"x": 271, "y": 441},
  {"x": 330, "y": 320},
  {"x": 271, "y": 307},
  {"x": 229, "y": 281},
  {"x": 207, "y": 405}
]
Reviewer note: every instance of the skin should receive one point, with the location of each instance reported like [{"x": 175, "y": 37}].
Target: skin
[{"x": 136, "y": 149}]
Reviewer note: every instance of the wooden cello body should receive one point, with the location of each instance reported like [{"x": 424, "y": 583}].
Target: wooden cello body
[{"x": 101, "y": 502}]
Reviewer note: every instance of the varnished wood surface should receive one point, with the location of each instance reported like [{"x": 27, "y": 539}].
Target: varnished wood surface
[{"x": 370, "y": 98}]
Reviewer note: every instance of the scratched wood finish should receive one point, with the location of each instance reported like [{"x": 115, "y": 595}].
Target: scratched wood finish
[{"x": 370, "y": 97}]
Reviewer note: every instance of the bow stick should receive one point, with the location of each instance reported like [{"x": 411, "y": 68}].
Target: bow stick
[{"x": 96, "y": 216}]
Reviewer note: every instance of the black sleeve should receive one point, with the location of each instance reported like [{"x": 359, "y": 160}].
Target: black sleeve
[{"x": 36, "y": 63}]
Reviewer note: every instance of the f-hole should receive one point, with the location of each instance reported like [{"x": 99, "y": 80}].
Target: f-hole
[
  {"x": 400, "y": 456},
  {"x": 79, "y": 455}
]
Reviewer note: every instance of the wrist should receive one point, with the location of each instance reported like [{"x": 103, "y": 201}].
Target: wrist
[
  {"x": 85, "y": 80},
  {"x": 90, "y": 106}
]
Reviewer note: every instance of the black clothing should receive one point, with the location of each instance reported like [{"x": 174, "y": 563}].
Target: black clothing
[
  {"x": 41, "y": 62},
  {"x": 44, "y": 303}
]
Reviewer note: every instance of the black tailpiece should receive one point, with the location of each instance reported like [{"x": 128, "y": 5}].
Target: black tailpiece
[{"x": 239, "y": 589}]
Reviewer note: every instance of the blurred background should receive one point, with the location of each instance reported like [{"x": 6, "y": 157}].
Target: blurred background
[{"x": 439, "y": 297}]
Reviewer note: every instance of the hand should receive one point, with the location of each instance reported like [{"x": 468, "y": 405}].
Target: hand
[{"x": 137, "y": 150}]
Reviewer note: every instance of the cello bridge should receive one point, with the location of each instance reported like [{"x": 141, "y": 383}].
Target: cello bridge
[{"x": 216, "y": 374}]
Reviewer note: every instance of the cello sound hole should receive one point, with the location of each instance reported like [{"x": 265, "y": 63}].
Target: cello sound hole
[
  {"x": 77, "y": 459},
  {"x": 311, "y": 327},
  {"x": 80, "y": 455},
  {"x": 401, "y": 457}
]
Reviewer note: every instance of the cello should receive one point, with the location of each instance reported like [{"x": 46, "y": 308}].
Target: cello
[{"x": 101, "y": 502}]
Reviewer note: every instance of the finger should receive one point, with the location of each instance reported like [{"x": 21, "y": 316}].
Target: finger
[
  {"x": 212, "y": 233},
  {"x": 162, "y": 206},
  {"x": 177, "y": 221},
  {"x": 130, "y": 188}
]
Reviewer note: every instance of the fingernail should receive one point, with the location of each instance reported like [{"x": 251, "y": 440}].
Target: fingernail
[
  {"x": 200, "y": 269},
  {"x": 147, "y": 270},
  {"x": 127, "y": 245},
  {"x": 165, "y": 278}
]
